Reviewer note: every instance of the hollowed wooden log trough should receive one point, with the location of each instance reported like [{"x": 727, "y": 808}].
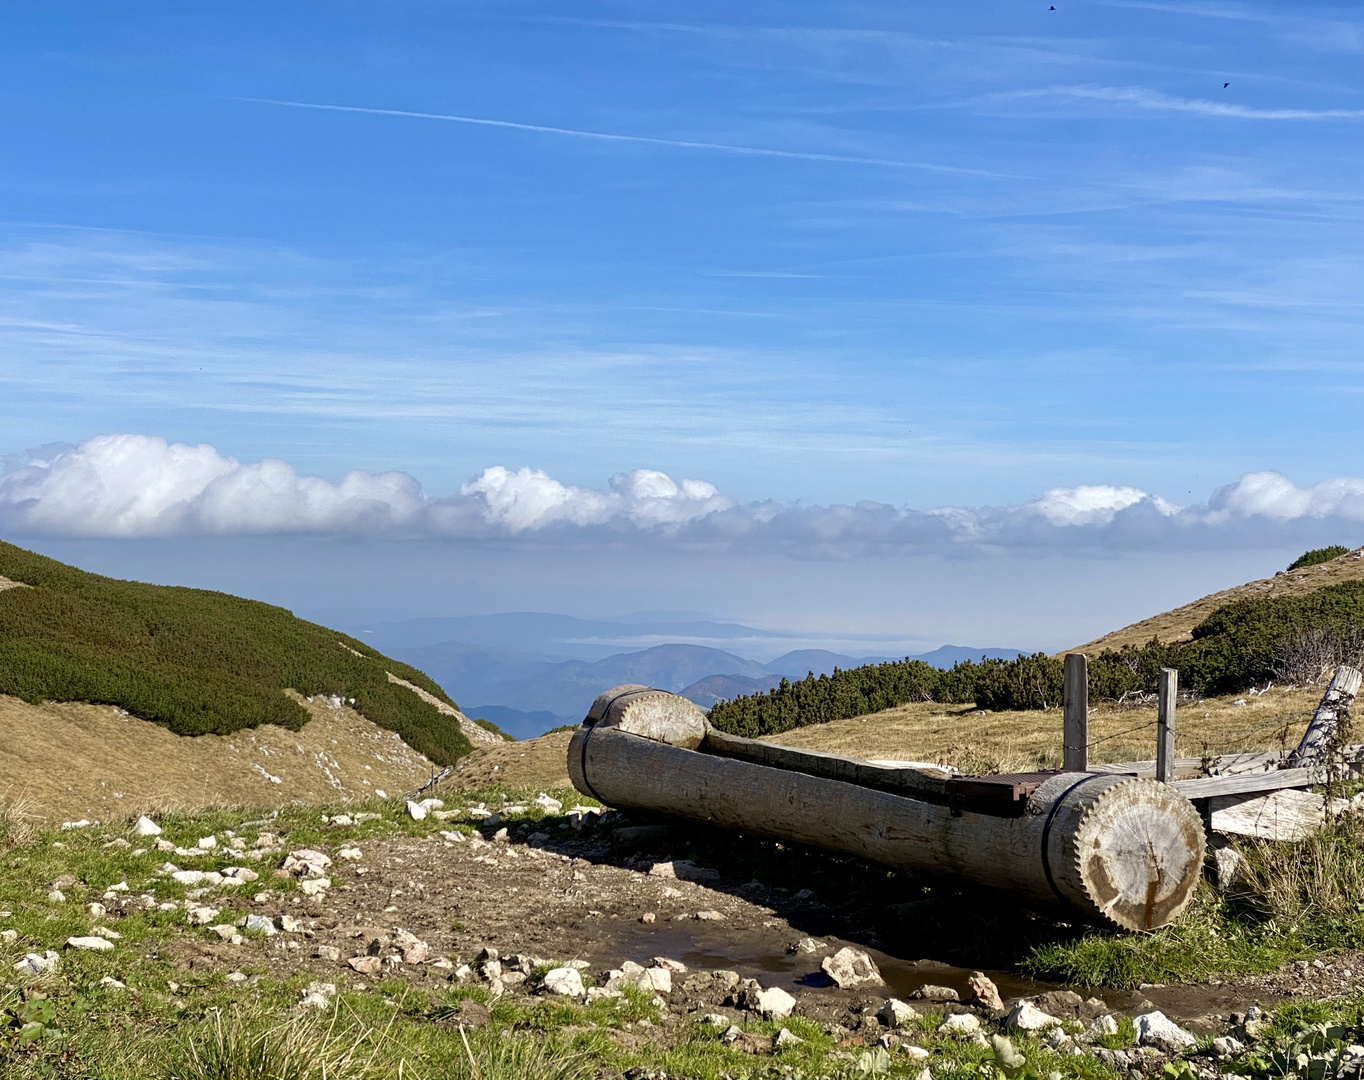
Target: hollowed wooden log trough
[{"x": 1098, "y": 847}]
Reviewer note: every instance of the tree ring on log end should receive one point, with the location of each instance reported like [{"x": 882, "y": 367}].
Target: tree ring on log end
[
  {"x": 1139, "y": 851},
  {"x": 650, "y": 714}
]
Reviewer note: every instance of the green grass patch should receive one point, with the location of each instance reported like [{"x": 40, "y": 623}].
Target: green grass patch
[{"x": 193, "y": 661}]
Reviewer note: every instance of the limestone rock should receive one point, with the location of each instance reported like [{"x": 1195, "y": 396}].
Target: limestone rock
[
  {"x": 929, "y": 992},
  {"x": 261, "y": 924},
  {"x": 786, "y": 1038},
  {"x": 774, "y": 1003},
  {"x": 850, "y": 968},
  {"x": 145, "y": 826},
  {"x": 315, "y": 886},
  {"x": 960, "y": 1025},
  {"x": 33, "y": 964},
  {"x": 305, "y": 862},
  {"x": 985, "y": 991},
  {"x": 1025, "y": 1016},
  {"x": 1226, "y": 1046},
  {"x": 1101, "y": 1026},
  {"x": 366, "y": 965},
  {"x": 895, "y": 1013},
  {"x": 1158, "y": 1030},
  {"x": 93, "y": 944},
  {"x": 228, "y": 933},
  {"x": 416, "y": 811},
  {"x": 200, "y": 916},
  {"x": 565, "y": 981}
]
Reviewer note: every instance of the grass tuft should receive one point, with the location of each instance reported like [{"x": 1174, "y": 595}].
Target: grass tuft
[{"x": 254, "y": 1046}]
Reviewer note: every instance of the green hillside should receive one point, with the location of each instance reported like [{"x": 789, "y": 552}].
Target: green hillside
[{"x": 196, "y": 662}]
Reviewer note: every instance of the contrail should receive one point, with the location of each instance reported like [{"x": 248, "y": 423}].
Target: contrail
[{"x": 727, "y": 148}]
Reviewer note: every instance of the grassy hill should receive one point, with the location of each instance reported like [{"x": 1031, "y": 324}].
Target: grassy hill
[{"x": 197, "y": 662}]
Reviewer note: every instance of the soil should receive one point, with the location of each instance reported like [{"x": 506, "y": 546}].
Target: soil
[{"x": 558, "y": 895}]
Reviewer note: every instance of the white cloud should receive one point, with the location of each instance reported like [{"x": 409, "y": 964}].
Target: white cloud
[
  {"x": 1143, "y": 98},
  {"x": 129, "y": 486}
]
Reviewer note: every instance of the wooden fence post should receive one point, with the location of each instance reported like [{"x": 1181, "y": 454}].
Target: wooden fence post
[
  {"x": 1075, "y": 738},
  {"x": 1165, "y": 724}
]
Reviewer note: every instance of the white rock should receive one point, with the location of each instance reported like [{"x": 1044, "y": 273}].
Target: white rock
[
  {"x": 121, "y": 886},
  {"x": 33, "y": 964},
  {"x": 189, "y": 877},
  {"x": 112, "y": 983},
  {"x": 915, "y": 1053},
  {"x": 260, "y": 923},
  {"x": 1101, "y": 1026},
  {"x": 1226, "y": 1046},
  {"x": 960, "y": 1025},
  {"x": 207, "y": 843},
  {"x": 1158, "y": 1030},
  {"x": 315, "y": 886},
  {"x": 548, "y": 803},
  {"x": 851, "y": 968},
  {"x": 1025, "y": 1016},
  {"x": 228, "y": 933},
  {"x": 786, "y": 1038},
  {"x": 93, "y": 944},
  {"x": 239, "y": 874},
  {"x": 9, "y": 936},
  {"x": 774, "y": 1003},
  {"x": 564, "y": 981},
  {"x": 305, "y": 862},
  {"x": 234, "y": 977},
  {"x": 350, "y": 853},
  {"x": 56, "y": 896},
  {"x": 145, "y": 826},
  {"x": 201, "y": 916},
  {"x": 895, "y": 1013},
  {"x": 432, "y": 804},
  {"x": 81, "y": 824},
  {"x": 985, "y": 991},
  {"x": 416, "y": 811},
  {"x": 315, "y": 1001},
  {"x": 675, "y": 966},
  {"x": 97, "y": 911},
  {"x": 289, "y": 924}
]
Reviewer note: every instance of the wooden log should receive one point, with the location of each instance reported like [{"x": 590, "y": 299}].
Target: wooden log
[
  {"x": 1339, "y": 696},
  {"x": 1104, "y": 848},
  {"x": 1075, "y": 701},
  {"x": 1167, "y": 692}
]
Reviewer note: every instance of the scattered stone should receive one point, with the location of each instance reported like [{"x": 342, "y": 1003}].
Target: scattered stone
[
  {"x": 656, "y": 979},
  {"x": 366, "y": 965},
  {"x": 307, "y": 863},
  {"x": 145, "y": 826},
  {"x": 774, "y": 1003},
  {"x": 1158, "y": 1030},
  {"x": 675, "y": 966},
  {"x": 9, "y": 936},
  {"x": 33, "y": 964},
  {"x": 353, "y": 853},
  {"x": 598, "y": 993},
  {"x": 985, "y": 991},
  {"x": 201, "y": 916},
  {"x": 83, "y": 823},
  {"x": 501, "y": 836},
  {"x": 894, "y": 1013},
  {"x": 548, "y": 804},
  {"x": 960, "y": 1025},
  {"x": 915, "y": 1053},
  {"x": 228, "y": 933},
  {"x": 1025, "y": 1016},
  {"x": 786, "y": 1038},
  {"x": 119, "y": 887},
  {"x": 191, "y": 877},
  {"x": 315, "y": 886},
  {"x": 648, "y": 917},
  {"x": 97, "y": 911},
  {"x": 851, "y": 968},
  {"x": 239, "y": 875},
  {"x": 235, "y": 977},
  {"x": 1056, "y": 1038},
  {"x": 56, "y": 896},
  {"x": 112, "y": 983},
  {"x": 207, "y": 843},
  {"x": 118, "y": 842},
  {"x": 1101, "y": 1026},
  {"x": 340, "y": 821},
  {"x": 432, "y": 804},
  {"x": 564, "y": 981},
  {"x": 1229, "y": 866},
  {"x": 328, "y": 952},
  {"x": 289, "y": 924},
  {"x": 710, "y": 916},
  {"x": 1226, "y": 1046},
  {"x": 414, "y": 950},
  {"x": 929, "y": 992},
  {"x": 65, "y": 881},
  {"x": 416, "y": 811},
  {"x": 807, "y": 946},
  {"x": 92, "y": 944},
  {"x": 1060, "y": 1002},
  {"x": 261, "y": 923}
]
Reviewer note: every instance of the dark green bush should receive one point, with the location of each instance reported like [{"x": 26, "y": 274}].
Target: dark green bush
[
  {"x": 1242, "y": 643},
  {"x": 196, "y": 662},
  {"x": 1318, "y": 555}
]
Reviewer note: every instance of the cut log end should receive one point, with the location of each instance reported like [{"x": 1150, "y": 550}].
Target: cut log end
[{"x": 1139, "y": 853}]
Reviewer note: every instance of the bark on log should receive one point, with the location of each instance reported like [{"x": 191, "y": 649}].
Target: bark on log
[{"x": 1090, "y": 845}]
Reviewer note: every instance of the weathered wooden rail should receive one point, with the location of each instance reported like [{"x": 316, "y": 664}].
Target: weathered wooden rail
[{"x": 1120, "y": 843}]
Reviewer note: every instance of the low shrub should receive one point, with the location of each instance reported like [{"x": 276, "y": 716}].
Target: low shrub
[{"x": 1318, "y": 555}]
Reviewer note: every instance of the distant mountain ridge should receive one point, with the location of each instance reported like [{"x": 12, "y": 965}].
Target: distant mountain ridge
[{"x": 527, "y": 693}]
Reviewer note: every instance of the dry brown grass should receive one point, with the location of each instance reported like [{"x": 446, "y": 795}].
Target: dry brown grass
[
  {"x": 535, "y": 763},
  {"x": 69, "y": 760},
  {"x": 1178, "y": 624},
  {"x": 980, "y": 742}
]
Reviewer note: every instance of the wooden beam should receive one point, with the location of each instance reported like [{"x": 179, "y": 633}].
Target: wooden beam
[
  {"x": 1166, "y": 693},
  {"x": 1075, "y": 735},
  {"x": 1334, "y": 703},
  {"x": 1210, "y": 786}
]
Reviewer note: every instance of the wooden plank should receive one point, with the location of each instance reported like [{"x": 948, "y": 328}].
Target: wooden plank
[
  {"x": 1166, "y": 692},
  {"x": 1209, "y": 786},
  {"x": 1075, "y": 737},
  {"x": 916, "y": 782},
  {"x": 1340, "y": 694},
  {"x": 1280, "y": 815}
]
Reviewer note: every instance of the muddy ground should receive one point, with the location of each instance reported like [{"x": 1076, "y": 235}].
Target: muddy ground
[{"x": 603, "y": 895}]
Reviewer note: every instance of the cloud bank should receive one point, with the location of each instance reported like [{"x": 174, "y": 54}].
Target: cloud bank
[{"x": 138, "y": 486}]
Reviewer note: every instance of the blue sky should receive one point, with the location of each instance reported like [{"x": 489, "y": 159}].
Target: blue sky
[{"x": 918, "y": 255}]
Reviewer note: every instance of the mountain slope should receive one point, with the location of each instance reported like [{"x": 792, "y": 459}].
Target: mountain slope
[
  {"x": 198, "y": 662},
  {"x": 1177, "y": 625}
]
